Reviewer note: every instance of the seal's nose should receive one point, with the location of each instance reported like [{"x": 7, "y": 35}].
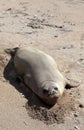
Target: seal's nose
[{"x": 54, "y": 92}]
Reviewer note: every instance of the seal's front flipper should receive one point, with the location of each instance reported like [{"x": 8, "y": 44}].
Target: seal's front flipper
[
  {"x": 71, "y": 84},
  {"x": 27, "y": 79}
]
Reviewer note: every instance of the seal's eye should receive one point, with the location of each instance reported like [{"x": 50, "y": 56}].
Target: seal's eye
[
  {"x": 45, "y": 91},
  {"x": 56, "y": 88}
]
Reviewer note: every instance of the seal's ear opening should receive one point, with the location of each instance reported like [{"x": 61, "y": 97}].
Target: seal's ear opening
[{"x": 11, "y": 51}]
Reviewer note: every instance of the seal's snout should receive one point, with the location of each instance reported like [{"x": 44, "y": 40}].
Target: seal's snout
[
  {"x": 54, "y": 92},
  {"x": 51, "y": 92}
]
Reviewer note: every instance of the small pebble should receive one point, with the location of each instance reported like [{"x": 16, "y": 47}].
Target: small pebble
[
  {"x": 9, "y": 9},
  {"x": 81, "y": 105},
  {"x": 64, "y": 47},
  {"x": 75, "y": 115},
  {"x": 76, "y": 127},
  {"x": 55, "y": 36}
]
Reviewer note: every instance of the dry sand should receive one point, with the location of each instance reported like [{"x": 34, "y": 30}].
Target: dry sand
[{"x": 57, "y": 28}]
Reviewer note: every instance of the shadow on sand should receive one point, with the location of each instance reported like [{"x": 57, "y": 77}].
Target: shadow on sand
[{"x": 11, "y": 75}]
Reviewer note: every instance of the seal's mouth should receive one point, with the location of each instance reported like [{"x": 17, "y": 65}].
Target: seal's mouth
[{"x": 53, "y": 94}]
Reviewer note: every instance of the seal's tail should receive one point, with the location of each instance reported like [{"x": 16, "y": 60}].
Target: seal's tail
[{"x": 12, "y": 52}]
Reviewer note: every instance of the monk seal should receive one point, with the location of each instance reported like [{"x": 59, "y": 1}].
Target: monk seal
[{"x": 39, "y": 72}]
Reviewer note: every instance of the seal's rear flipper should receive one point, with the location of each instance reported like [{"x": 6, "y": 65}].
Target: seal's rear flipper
[{"x": 11, "y": 51}]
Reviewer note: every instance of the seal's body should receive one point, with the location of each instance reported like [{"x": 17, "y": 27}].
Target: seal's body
[{"x": 40, "y": 73}]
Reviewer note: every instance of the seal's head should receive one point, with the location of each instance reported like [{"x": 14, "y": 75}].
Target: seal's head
[{"x": 50, "y": 92}]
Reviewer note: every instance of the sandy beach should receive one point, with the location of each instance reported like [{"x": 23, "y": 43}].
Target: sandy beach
[{"x": 57, "y": 28}]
